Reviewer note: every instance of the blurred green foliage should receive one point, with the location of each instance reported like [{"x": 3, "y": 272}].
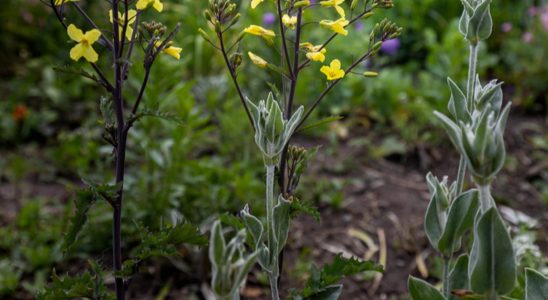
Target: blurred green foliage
[{"x": 203, "y": 167}]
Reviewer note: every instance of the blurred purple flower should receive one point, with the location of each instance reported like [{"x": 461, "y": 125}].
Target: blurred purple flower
[
  {"x": 527, "y": 37},
  {"x": 312, "y": 2},
  {"x": 390, "y": 47},
  {"x": 359, "y": 26},
  {"x": 532, "y": 11},
  {"x": 269, "y": 19},
  {"x": 544, "y": 18},
  {"x": 506, "y": 27}
]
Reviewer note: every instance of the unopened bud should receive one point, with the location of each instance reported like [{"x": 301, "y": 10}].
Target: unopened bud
[{"x": 370, "y": 74}]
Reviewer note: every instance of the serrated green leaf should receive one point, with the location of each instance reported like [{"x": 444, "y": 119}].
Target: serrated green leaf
[
  {"x": 298, "y": 206},
  {"x": 422, "y": 290},
  {"x": 536, "y": 285},
  {"x": 146, "y": 112},
  {"x": 492, "y": 260}
]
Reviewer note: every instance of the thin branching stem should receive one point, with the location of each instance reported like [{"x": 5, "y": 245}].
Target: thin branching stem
[
  {"x": 233, "y": 75},
  {"x": 285, "y": 53}
]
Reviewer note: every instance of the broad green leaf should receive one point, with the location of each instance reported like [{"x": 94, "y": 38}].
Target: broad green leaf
[
  {"x": 422, "y": 290},
  {"x": 433, "y": 224},
  {"x": 459, "y": 220},
  {"x": 458, "y": 277},
  {"x": 281, "y": 223},
  {"x": 536, "y": 285},
  {"x": 253, "y": 225},
  {"x": 492, "y": 264},
  {"x": 458, "y": 103},
  {"x": 451, "y": 128}
]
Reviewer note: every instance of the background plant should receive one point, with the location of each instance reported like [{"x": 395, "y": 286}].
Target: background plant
[
  {"x": 276, "y": 120},
  {"x": 475, "y": 126}
]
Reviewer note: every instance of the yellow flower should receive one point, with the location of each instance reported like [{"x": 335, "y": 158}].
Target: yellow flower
[
  {"x": 337, "y": 26},
  {"x": 59, "y": 2},
  {"x": 290, "y": 22},
  {"x": 336, "y": 4},
  {"x": 260, "y": 31},
  {"x": 170, "y": 50},
  {"x": 333, "y": 71},
  {"x": 257, "y": 60},
  {"x": 314, "y": 53},
  {"x": 143, "y": 4},
  {"x": 85, "y": 41},
  {"x": 131, "y": 14},
  {"x": 254, "y": 3}
]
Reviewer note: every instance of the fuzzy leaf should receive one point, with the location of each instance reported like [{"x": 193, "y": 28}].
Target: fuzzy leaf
[
  {"x": 422, "y": 290},
  {"x": 480, "y": 24},
  {"x": 281, "y": 224},
  {"x": 253, "y": 225},
  {"x": 536, "y": 285},
  {"x": 457, "y": 103},
  {"x": 217, "y": 245},
  {"x": 459, "y": 220},
  {"x": 458, "y": 277},
  {"x": 492, "y": 265}
]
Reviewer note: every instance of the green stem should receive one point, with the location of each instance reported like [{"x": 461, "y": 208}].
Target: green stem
[
  {"x": 446, "y": 277},
  {"x": 472, "y": 69},
  {"x": 273, "y": 275},
  {"x": 486, "y": 201}
]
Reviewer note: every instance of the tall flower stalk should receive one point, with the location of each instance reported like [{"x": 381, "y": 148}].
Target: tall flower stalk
[
  {"x": 120, "y": 41},
  {"x": 276, "y": 120},
  {"x": 475, "y": 125}
]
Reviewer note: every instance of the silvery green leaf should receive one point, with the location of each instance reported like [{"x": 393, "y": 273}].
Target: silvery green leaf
[
  {"x": 536, "y": 285},
  {"x": 480, "y": 24},
  {"x": 422, "y": 290},
  {"x": 246, "y": 266},
  {"x": 253, "y": 225},
  {"x": 451, "y": 128},
  {"x": 459, "y": 220},
  {"x": 491, "y": 94},
  {"x": 433, "y": 223},
  {"x": 291, "y": 125},
  {"x": 458, "y": 277},
  {"x": 482, "y": 137},
  {"x": 274, "y": 125},
  {"x": 503, "y": 118},
  {"x": 492, "y": 265},
  {"x": 217, "y": 244},
  {"x": 468, "y": 7},
  {"x": 281, "y": 223},
  {"x": 458, "y": 103},
  {"x": 264, "y": 258},
  {"x": 463, "y": 23}
]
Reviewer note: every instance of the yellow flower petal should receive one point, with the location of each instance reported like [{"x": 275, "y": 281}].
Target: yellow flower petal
[
  {"x": 89, "y": 54},
  {"x": 76, "y": 52},
  {"x": 337, "y": 26},
  {"x": 92, "y": 36},
  {"x": 159, "y": 6},
  {"x": 59, "y": 2},
  {"x": 254, "y": 3},
  {"x": 259, "y": 31},
  {"x": 316, "y": 56},
  {"x": 340, "y": 11},
  {"x": 74, "y": 33},
  {"x": 289, "y": 21},
  {"x": 333, "y": 71},
  {"x": 330, "y": 3},
  {"x": 173, "y": 51},
  {"x": 257, "y": 60}
]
